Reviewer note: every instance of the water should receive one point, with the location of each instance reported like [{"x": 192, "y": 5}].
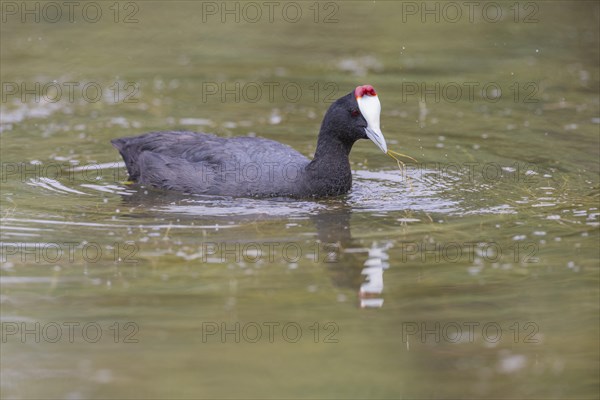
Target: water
[{"x": 471, "y": 273}]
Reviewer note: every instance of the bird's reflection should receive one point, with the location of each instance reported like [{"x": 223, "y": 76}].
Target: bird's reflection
[
  {"x": 350, "y": 263},
  {"x": 349, "y": 270}
]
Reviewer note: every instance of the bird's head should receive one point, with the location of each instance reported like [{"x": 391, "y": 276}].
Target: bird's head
[{"x": 356, "y": 116}]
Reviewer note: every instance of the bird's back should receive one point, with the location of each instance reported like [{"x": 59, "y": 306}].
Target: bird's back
[{"x": 202, "y": 163}]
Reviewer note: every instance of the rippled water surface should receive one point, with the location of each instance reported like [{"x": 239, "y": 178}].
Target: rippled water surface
[{"x": 471, "y": 273}]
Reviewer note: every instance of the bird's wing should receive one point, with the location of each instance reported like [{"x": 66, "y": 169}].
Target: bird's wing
[{"x": 207, "y": 164}]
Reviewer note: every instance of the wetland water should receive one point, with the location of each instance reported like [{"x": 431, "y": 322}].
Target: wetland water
[{"x": 471, "y": 273}]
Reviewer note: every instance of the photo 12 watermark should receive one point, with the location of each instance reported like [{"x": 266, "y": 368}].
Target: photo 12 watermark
[
  {"x": 270, "y": 332},
  {"x": 252, "y": 12},
  {"x": 453, "y": 12},
  {"x": 266, "y": 252},
  {"x": 268, "y": 91},
  {"x": 475, "y": 171},
  {"x": 490, "y": 332},
  {"x": 455, "y": 252},
  {"x": 52, "y": 12},
  {"x": 60, "y": 171},
  {"x": 69, "y": 332},
  {"x": 470, "y": 91},
  {"x": 70, "y": 92},
  {"x": 69, "y": 252}
]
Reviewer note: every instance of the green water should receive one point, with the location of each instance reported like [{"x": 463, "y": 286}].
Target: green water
[{"x": 470, "y": 274}]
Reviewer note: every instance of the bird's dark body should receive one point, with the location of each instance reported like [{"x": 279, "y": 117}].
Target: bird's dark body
[{"x": 201, "y": 163}]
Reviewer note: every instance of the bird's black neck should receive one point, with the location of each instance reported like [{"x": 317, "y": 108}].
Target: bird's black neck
[{"x": 329, "y": 171}]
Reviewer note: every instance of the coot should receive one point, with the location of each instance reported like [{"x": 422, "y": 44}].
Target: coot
[{"x": 201, "y": 163}]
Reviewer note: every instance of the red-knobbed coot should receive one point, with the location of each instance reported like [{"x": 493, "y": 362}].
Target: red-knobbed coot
[{"x": 201, "y": 163}]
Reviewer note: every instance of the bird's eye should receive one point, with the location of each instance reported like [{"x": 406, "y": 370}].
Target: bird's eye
[{"x": 355, "y": 112}]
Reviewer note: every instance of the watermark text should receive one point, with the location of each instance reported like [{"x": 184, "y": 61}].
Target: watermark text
[
  {"x": 269, "y": 332},
  {"x": 69, "y": 332},
  {"x": 69, "y": 92},
  {"x": 469, "y": 332},
  {"x": 469, "y": 11},
  {"x": 91, "y": 12},
  {"x": 68, "y": 252}
]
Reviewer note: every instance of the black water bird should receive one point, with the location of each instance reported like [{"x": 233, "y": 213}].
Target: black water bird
[{"x": 202, "y": 163}]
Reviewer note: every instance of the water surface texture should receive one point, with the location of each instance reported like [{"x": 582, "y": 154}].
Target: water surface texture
[{"x": 471, "y": 273}]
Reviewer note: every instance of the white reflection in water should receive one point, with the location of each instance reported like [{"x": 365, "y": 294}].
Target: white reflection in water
[
  {"x": 372, "y": 288},
  {"x": 52, "y": 185}
]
